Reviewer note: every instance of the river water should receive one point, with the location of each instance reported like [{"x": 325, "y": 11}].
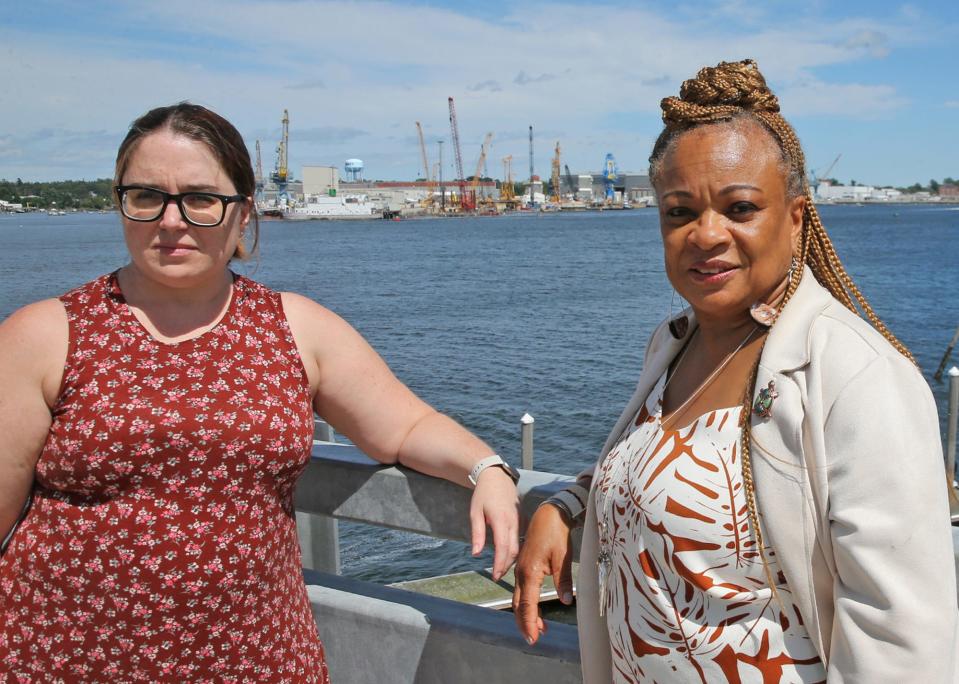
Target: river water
[{"x": 489, "y": 318}]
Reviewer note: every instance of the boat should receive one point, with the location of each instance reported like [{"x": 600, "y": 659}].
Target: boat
[{"x": 327, "y": 207}]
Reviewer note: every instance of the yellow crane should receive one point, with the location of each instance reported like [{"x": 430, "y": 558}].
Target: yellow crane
[
  {"x": 554, "y": 179},
  {"x": 282, "y": 171},
  {"x": 484, "y": 148},
  {"x": 426, "y": 166},
  {"x": 506, "y": 189}
]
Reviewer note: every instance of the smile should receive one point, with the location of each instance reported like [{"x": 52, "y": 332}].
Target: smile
[{"x": 712, "y": 272}]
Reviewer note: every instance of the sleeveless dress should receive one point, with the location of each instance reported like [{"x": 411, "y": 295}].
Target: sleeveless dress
[
  {"x": 160, "y": 545},
  {"x": 687, "y": 596}
]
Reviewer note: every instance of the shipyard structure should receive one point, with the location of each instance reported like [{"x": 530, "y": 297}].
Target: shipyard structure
[{"x": 322, "y": 193}]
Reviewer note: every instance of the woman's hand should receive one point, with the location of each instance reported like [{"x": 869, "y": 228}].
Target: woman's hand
[
  {"x": 495, "y": 504},
  {"x": 546, "y": 551}
]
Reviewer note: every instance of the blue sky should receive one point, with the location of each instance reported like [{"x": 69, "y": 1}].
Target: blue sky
[{"x": 877, "y": 82}]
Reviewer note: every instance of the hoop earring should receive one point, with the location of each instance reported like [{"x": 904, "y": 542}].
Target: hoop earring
[{"x": 678, "y": 326}]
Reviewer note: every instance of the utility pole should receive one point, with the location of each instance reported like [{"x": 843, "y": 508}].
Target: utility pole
[
  {"x": 531, "y": 202},
  {"x": 442, "y": 187}
]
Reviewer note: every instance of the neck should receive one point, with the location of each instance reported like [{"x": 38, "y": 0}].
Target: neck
[
  {"x": 719, "y": 335},
  {"x": 144, "y": 292}
]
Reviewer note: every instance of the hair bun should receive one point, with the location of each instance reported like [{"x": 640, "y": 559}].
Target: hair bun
[{"x": 719, "y": 92}]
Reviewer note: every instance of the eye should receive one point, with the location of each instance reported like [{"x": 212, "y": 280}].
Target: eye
[
  {"x": 742, "y": 208},
  {"x": 678, "y": 212},
  {"x": 200, "y": 200}
]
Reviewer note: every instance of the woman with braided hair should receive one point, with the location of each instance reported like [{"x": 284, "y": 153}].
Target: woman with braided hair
[{"x": 769, "y": 506}]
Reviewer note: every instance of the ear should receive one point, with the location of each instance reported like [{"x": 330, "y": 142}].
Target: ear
[
  {"x": 796, "y": 209},
  {"x": 245, "y": 212}
]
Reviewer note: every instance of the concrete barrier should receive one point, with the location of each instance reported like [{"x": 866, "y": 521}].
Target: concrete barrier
[{"x": 378, "y": 634}]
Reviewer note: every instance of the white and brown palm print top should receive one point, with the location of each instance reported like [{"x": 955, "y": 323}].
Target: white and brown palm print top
[{"x": 687, "y": 598}]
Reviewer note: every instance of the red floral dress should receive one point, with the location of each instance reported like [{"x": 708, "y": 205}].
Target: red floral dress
[{"x": 160, "y": 545}]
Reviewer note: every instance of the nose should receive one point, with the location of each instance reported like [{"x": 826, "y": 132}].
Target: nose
[
  {"x": 709, "y": 231},
  {"x": 172, "y": 217}
]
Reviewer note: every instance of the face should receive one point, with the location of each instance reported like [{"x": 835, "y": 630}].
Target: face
[
  {"x": 728, "y": 229},
  {"x": 169, "y": 250}
]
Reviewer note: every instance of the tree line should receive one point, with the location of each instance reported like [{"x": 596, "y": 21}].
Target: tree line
[{"x": 81, "y": 194}]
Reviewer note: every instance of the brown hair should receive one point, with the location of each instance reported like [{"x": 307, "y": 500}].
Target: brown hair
[
  {"x": 735, "y": 93},
  {"x": 205, "y": 126}
]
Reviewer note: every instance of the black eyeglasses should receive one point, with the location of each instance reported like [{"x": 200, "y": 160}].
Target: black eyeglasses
[{"x": 204, "y": 209}]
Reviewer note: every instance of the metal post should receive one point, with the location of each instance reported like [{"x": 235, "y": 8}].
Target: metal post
[
  {"x": 945, "y": 357},
  {"x": 319, "y": 542},
  {"x": 322, "y": 431},
  {"x": 319, "y": 534},
  {"x": 526, "y": 423},
  {"x": 952, "y": 421}
]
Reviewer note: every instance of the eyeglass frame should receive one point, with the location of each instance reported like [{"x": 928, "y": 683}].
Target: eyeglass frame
[{"x": 226, "y": 200}]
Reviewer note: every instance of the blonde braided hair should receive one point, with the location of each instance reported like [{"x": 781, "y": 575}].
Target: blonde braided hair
[{"x": 735, "y": 93}]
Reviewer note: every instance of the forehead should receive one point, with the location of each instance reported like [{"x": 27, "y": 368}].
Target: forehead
[
  {"x": 167, "y": 153},
  {"x": 741, "y": 147}
]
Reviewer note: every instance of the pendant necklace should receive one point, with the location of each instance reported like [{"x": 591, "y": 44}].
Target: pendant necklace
[{"x": 604, "y": 560}]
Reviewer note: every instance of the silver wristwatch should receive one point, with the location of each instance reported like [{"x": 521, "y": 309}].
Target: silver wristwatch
[{"x": 491, "y": 461}]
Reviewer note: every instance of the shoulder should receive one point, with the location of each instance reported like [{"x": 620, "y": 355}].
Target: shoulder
[
  {"x": 306, "y": 311},
  {"x": 843, "y": 344},
  {"x": 35, "y": 341},
  {"x": 314, "y": 324},
  {"x": 34, "y": 324},
  {"x": 850, "y": 363}
]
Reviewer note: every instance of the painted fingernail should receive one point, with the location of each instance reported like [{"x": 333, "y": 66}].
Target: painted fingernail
[{"x": 567, "y": 597}]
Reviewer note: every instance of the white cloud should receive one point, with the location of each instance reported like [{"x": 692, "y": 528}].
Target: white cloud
[
  {"x": 847, "y": 100},
  {"x": 350, "y": 72}
]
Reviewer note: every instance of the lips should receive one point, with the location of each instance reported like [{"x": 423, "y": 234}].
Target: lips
[
  {"x": 175, "y": 249},
  {"x": 713, "y": 271}
]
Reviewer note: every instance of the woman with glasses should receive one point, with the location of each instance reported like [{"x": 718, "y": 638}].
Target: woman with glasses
[{"x": 154, "y": 423}]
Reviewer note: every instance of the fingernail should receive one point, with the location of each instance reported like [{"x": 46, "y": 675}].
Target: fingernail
[
  {"x": 529, "y": 640},
  {"x": 567, "y": 598}
]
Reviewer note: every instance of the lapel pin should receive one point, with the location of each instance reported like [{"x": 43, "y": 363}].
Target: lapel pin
[{"x": 764, "y": 402}]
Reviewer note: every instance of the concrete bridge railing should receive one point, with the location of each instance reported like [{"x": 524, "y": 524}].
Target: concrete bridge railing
[{"x": 374, "y": 633}]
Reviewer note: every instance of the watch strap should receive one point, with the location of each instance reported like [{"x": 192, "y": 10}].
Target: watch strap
[{"x": 488, "y": 462}]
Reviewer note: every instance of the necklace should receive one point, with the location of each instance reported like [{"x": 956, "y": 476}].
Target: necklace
[{"x": 604, "y": 559}]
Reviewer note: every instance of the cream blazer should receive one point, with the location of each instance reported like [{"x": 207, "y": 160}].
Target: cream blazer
[{"x": 850, "y": 489}]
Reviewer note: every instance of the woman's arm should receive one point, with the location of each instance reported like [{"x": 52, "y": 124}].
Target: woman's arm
[
  {"x": 355, "y": 391},
  {"x": 895, "y": 589},
  {"x": 33, "y": 348},
  {"x": 547, "y": 551}
]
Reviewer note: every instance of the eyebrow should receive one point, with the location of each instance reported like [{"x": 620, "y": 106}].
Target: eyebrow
[
  {"x": 739, "y": 186},
  {"x": 725, "y": 191},
  {"x": 200, "y": 187}
]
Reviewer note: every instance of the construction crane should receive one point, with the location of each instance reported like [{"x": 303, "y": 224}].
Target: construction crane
[
  {"x": 454, "y": 132},
  {"x": 280, "y": 171},
  {"x": 506, "y": 189},
  {"x": 258, "y": 175},
  {"x": 569, "y": 181},
  {"x": 815, "y": 178},
  {"x": 554, "y": 177},
  {"x": 531, "y": 175},
  {"x": 426, "y": 165},
  {"x": 280, "y": 174},
  {"x": 474, "y": 196}
]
